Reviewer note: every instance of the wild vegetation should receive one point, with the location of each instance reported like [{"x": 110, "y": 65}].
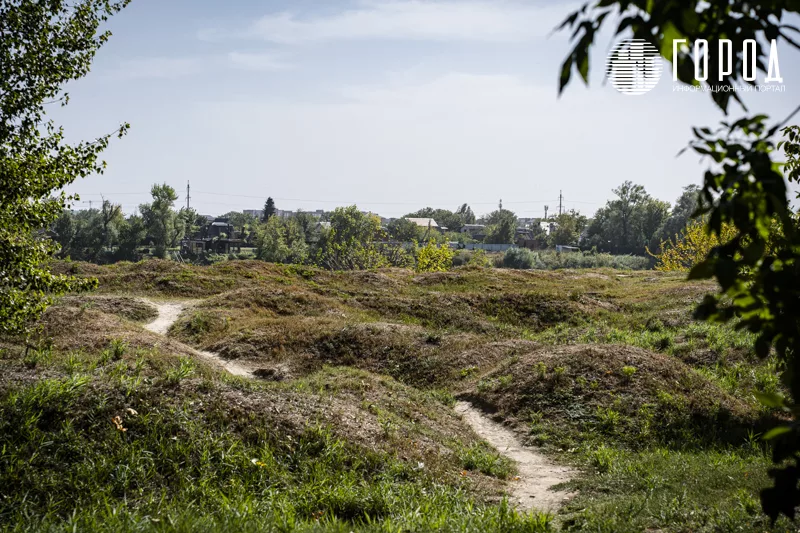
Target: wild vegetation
[
  {"x": 349, "y": 424},
  {"x": 347, "y": 421}
]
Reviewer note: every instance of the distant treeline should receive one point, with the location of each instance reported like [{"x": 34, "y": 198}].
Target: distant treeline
[{"x": 629, "y": 224}]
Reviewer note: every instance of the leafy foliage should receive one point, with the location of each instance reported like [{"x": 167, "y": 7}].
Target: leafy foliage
[
  {"x": 432, "y": 258},
  {"x": 690, "y": 247},
  {"x": 280, "y": 241},
  {"x": 44, "y": 45},
  {"x": 350, "y": 242},
  {"x": 501, "y": 226},
  {"x": 269, "y": 209},
  {"x": 627, "y": 224},
  {"x": 568, "y": 228},
  {"x": 757, "y": 270},
  {"x": 163, "y": 223}
]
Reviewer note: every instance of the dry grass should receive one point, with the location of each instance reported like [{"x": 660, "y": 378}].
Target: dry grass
[{"x": 613, "y": 392}]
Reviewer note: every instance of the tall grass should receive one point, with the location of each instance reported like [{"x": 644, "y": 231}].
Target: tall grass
[{"x": 79, "y": 453}]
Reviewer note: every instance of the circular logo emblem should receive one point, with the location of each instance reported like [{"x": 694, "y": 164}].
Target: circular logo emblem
[{"x": 633, "y": 66}]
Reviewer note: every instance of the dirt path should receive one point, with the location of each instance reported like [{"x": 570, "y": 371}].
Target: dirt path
[
  {"x": 537, "y": 473},
  {"x": 168, "y": 313}
]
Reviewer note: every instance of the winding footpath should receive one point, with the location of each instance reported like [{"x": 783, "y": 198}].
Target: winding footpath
[
  {"x": 168, "y": 314},
  {"x": 537, "y": 474}
]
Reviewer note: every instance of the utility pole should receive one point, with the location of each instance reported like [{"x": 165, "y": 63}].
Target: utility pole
[
  {"x": 501, "y": 203},
  {"x": 187, "y": 195},
  {"x": 560, "y": 197},
  {"x": 545, "y": 211},
  {"x": 88, "y": 202}
]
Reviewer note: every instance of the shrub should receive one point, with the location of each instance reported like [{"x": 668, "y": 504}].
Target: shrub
[
  {"x": 690, "y": 247},
  {"x": 521, "y": 258},
  {"x": 478, "y": 258},
  {"x": 432, "y": 258}
]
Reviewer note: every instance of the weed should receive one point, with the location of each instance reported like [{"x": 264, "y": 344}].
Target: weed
[
  {"x": 602, "y": 458},
  {"x": 117, "y": 347},
  {"x": 177, "y": 374},
  {"x": 628, "y": 372},
  {"x": 482, "y": 458},
  {"x": 608, "y": 418},
  {"x": 467, "y": 372},
  {"x": 36, "y": 356},
  {"x": 443, "y": 396}
]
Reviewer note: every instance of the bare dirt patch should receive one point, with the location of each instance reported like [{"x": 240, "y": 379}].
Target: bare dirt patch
[
  {"x": 537, "y": 475},
  {"x": 168, "y": 314}
]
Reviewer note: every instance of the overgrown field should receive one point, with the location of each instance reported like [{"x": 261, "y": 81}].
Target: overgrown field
[{"x": 105, "y": 426}]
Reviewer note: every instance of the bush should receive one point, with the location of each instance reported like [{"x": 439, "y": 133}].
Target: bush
[
  {"x": 478, "y": 258},
  {"x": 432, "y": 258},
  {"x": 519, "y": 258},
  {"x": 551, "y": 260}
]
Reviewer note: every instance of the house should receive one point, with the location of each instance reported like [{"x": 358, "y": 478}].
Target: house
[
  {"x": 473, "y": 228},
  {"x": 565, "y": 248},
  {"x": 424, "y": 222},
  {"x": 253, "y": 212},
  {"x": 548, "y": 227},
  {"x": 523, "y": 233},
  {"x": 217, "y": 237},
  {"x": 526, "y": 222}
]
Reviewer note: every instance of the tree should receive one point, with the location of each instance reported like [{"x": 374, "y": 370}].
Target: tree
[
  {"x": 403, "y": 230},
  {"x": 568, "y": 228},
  {"x": 629, "y": 198},
  {"x": 501, "y": 227},
  {"x": 160, "y": 219},
  {"x": 269, "y": 209},
  {"x": 241, "y": 222},
  {"x": 271, "y": 245},
  {"x": 88, "y": 242},
  {"x": 43, "y": 46},
  {"x": 681, "y": 214},
  {"x": 757, "y": 269},
  {"x": 466, "y": 214},
  {"x": 629, "y": 223},
  {"x": 191, "y": 220},
  {"x": 349, "y": 244},
  {"x": 64, "y": 232},
  {"x": 690, "y": 247},
  {"x": 432, "y": 258},
  {"x": 111, "y": 217},
  {"x": 131, "y": 233}
]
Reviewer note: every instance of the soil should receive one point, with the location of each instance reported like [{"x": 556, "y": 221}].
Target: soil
[
  {"x": 537, "y": 474},
  {"x": 168, "y": 314}
]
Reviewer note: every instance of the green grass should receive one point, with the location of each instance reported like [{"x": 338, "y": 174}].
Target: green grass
[
  {"x": 610, "y": 374},
  {"x": 178, "y": 459},
  {"x": 663, "y": 489}
]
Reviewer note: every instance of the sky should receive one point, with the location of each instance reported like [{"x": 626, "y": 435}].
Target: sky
[{"x": 391, "y": 105}]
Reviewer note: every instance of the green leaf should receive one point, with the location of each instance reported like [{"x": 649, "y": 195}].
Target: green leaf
[
  {"x": 670, "y": 33},
  {"x": 770, "y": 399},
  {"x": 774, "y": 432}
]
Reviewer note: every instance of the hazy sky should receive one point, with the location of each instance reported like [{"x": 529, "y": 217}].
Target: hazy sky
[{"x": 393, "y": 105}]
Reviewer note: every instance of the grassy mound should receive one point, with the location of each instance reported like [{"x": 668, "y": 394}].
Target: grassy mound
[
  {"x": 123, "y": 306},
  {"x": 571, "y": 394},
  {"x": 121, "y": 439},
  {"x": 80, "y": 328}
]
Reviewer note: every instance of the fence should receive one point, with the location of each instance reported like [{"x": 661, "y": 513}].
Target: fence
[{"x": 482, "y": 246}]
